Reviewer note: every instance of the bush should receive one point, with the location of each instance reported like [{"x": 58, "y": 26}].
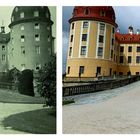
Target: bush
[{"x": 47, "y": 82}]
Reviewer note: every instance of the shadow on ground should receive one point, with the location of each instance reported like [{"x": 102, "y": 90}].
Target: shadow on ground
[{"x": 41, "y": 121}]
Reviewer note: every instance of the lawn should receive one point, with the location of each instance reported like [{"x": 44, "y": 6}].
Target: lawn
[
  {"x": 41, "y": 121},
  {"x": 8, "y": 96}
]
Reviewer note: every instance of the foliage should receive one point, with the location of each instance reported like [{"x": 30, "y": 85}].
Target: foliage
[{"x": 47, "y": 82}]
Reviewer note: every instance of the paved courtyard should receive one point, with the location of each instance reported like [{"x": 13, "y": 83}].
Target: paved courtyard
[{"x": 106, "y": 112}]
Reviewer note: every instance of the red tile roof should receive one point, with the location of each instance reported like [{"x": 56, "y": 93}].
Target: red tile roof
[{"x": 127, "y": 38}]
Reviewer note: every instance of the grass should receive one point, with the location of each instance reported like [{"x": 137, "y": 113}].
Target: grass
[
  {"x": 41, "y": 121},
  {"x": 8, "y": 96}
]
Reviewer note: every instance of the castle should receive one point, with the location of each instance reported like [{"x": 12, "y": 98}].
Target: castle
[
  {"x": 29, "y": 44},
  {"x": 96, "y": 47}
]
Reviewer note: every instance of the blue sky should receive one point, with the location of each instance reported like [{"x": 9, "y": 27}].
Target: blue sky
[{"x": 125, "y": 16}]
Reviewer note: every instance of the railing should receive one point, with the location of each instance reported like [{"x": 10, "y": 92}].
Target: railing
[{"x": 98, "y": 86}]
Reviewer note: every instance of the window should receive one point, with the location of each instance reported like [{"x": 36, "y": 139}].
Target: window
[
  {"x": 98, "y": 71},
  {"x": 47, "y": 15},
  {"x": 138, "y": 48},
  {"x": 112, "y": 41},
  {"x": 12, "y": 18},
  {"x": 37, "y": 47},
  {"x": 36, "y": 14},
  {"x": 49, "y": 38},
  {"x": 102, "y": 26},
  {"x": 100, "y": 51},
  {"x": 86, "y": 11},
  {"x": 68, "y": 69},
  {"x": 38, "y": 66},
  {"x": 84, "y": 37},
  {"x": 129, "y": 48},
  {"x": 37, "y": 38},
  {"x": 137, "y": 73},
  {"x": 70, "y": 51},
  {"x": 81, "y": 70},
  {"x": 22, "y": 38},
  {"x": 22, "y": 28},
  {"x": 22, "y": 15},
  {"x": 102, "y": 13},
  {"x": 71, "y": 38},
  {"x": 137, "y": 59},
  {"x": 111, "y": 53},
  {"x": 101, "y": 38},
  {"x": 48, "y": 28},
  {"x": 16, "y": 9},
  {"x": 129, "y": 59},
  {"x": 85, "y": 24},
  {"x": 22, "y": 50},
  {"x": 121, "y": 59},
  {"x": 3, "y": 48},
  {"x": 120, "y": 73},
  {"x": 83, "y": 50},
  {"x": 121, "y": 49},
  {"x": 72, "y": 26},
  {"x": 3, "y": 57},
  {"x": 36, "y": 26}
]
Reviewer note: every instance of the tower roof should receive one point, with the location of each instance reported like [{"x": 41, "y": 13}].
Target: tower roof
[
  {"x": 99, "y": 13},
  {"x": 28, "y": 14}
]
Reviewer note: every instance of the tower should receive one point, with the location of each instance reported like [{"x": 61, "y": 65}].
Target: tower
[
  {"x": 91, "y": 48},
  {"x": 31, "y": 38}
]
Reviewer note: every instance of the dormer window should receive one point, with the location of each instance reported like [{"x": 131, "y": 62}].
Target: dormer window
[
  {"x": 16, "y": 9},
  {"x": 47, "y": 15},
  {"x": 36, "y": 14},
  {"x": 12, "y": 18},
  {"x": 102, "y": 13},
  {"x": 22, "y": 15},
  {"x": 86, "y": 12}
]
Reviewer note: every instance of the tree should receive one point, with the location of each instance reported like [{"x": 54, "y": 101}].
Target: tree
[{"x": 47, "y": 82}]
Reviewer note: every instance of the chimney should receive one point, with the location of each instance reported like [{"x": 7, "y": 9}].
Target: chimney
[
  {"x": 138, "y": 31},
  {"x": 130, "y": 30},
  {"x": 118, "y": 30},
  {"x": 2, "y": 29}
]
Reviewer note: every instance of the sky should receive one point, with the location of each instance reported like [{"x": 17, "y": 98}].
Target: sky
[
  {"x": 125, "y": 16},
  {"x": 5, "y": 17}
]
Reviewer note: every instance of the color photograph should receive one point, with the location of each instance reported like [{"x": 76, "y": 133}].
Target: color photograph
[{"x": 101, "y": 70}]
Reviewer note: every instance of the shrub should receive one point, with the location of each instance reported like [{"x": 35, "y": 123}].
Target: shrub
[{"x": 47, "y": 82}]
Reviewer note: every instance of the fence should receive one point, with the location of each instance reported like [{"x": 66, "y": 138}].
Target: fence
[
  {"x": 98, "y": 86},
  {"x": 5, "y": 85}
]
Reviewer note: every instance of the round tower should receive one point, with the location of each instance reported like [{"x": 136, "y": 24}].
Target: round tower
[
  {"x": 30, "y": 37},
  {"x": 91, "y": 50}
]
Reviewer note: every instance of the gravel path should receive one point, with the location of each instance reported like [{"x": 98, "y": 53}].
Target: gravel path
[
  {"x": 7, "y": 109},
  {"x": 112, "y": 111}
]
